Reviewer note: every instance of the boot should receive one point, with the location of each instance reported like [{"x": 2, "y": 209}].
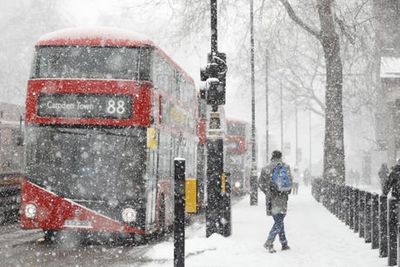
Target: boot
[
  {"x": 269, "y": 247},
  {"x": 285, "y": 246}
]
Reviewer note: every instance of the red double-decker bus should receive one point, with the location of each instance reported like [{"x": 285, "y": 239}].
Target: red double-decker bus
[
  {"x": 106, "y": 113},
  {"x": 238, "y": 158}
]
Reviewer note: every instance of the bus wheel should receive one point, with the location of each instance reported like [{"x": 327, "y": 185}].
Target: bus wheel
[{"x": 49, "y": 235}]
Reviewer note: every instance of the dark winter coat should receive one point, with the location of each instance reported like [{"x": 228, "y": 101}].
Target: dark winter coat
[
  {"x": 276, "y": 201},
  {"x": 393, "y": 182}
]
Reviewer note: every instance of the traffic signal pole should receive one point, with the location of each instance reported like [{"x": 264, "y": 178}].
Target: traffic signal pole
[
  {"x": 214, "y": 28},
  {"x": 218, "y": 198}
]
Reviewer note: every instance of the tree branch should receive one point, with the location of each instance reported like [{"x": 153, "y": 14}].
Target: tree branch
[
  {"x": 299, "y": 21},
  {"x": 344, "y": 31}
]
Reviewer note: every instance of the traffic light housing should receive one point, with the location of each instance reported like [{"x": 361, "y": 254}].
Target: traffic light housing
[{"x": 215, "y": 75}]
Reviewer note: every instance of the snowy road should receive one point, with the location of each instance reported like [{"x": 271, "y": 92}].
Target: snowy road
[
  {"x": 316, "y": 237},
  {"x": 21, "y": 248}
]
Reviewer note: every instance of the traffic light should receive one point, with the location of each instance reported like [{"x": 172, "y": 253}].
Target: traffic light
[{"x": 215, "y": 75}]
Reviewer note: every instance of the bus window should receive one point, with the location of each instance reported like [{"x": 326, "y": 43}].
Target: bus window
[{"x": 92, "y": 62}]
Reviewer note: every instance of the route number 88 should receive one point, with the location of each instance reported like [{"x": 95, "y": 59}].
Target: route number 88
[{"x": 118, "y": 107}]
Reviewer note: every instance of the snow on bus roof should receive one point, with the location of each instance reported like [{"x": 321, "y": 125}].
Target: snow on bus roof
[
  {"x": 101, "y": 36},
  {"x": 106, "y": 36}
]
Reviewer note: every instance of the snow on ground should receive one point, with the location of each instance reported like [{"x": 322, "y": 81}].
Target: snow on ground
[{"x": 316, "y": 238}]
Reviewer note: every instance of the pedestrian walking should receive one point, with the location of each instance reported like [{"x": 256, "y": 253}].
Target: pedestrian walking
[
  {"x": 383, "y": 174},
  {"x": 275, "y": 182},
  {"x": 393, "y": 181}
]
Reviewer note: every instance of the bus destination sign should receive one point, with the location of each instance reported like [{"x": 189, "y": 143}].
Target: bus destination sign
[{"x": 85, "y": 106}]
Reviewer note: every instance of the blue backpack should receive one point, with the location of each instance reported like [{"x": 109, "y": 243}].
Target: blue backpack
[{"x": 281, "y": 178}]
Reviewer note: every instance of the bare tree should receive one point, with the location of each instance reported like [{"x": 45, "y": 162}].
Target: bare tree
[{"x": 334, "y": 157}]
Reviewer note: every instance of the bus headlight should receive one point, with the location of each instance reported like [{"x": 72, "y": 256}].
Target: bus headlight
[
  {"x": 30, "y": 211},
  {"x": 237, "y": 184},
  {"x": 128, "y": 215}
]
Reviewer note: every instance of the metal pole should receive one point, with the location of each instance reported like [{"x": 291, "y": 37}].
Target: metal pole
[
  {"x": 375, "y": 222},
  {"x": 179, "y": 221},
  {"x": 352, "y": 206},
  {"x": 266, "y": 108},
  {"x": 217, "y": 217},
  {"x": 226, "y": 220},
  {"x": 215, "y": 163},
  {"x": 361, "y": 214},
  {"x": 297, "y": 134},
  {"x": 356, "y": 210},
  {"x": 367, "y": 217},
  {"x": 383, "y": 229},
  {"x": 217, "y": 213},
  {"x": 253, "y": 178},
  {"x": 281, "y": 102},
  {"x": 392, "y": 232},
  {"x": 310, "y": 140},
  {"x": 214, "y": 31}
]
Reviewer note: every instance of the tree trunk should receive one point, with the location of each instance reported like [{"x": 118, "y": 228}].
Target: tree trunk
[{"x": 334, "y": 159}]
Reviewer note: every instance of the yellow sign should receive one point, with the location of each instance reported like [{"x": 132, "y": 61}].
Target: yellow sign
[
  {"x": 151, "y": 138},
  {"x": 223, "y": 182},
  {"x": 191, "y": 195}
]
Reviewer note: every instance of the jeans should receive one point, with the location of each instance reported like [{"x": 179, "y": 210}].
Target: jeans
[{"x": 277, "y": 229}]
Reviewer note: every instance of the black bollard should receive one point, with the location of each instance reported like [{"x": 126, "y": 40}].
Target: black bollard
[
  {"x": 375, "y": 222},
  {"x": 329, "y": 201},
  {"x": 345, "y": 204},
  {"x": 356, "y": 210},
  {"x": 340, "y": 202},
  {"x": 335, "y": 200},
  {"x": 361, "y": 209},
  {"x": 392, "y": 232},
  {"x": 226, "y": 219},
  {"x": 328, "y": 196},
  {"x": 351, "y": 208},
  {"x": 383, "y": 232},
  {"x": 333, "y": 203},
  {"x": 348, "y": 205},
  {"x": 179, "y": 221},
  {"x": 325, "y": 194},
  {"x": 367, "y": 217},
  {"x": 398, "y": 237},
  {"x": 318, "y": 190}
]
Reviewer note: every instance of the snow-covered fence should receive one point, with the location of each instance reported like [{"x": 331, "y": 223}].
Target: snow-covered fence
[
  {"x": 374, "y": 217},
  {"x": 9, "y": 197}
]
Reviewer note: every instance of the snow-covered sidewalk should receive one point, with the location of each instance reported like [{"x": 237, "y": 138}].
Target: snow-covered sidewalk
[{"x": 315, "y": 236}]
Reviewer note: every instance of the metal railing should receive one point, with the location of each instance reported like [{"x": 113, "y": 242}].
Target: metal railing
[{"x": 374, "y": 217}]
